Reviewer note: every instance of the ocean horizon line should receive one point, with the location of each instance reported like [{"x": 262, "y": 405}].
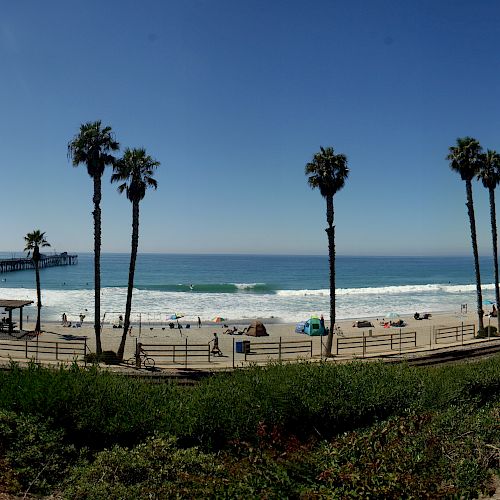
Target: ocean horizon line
[{"x": 258, "y": 254}]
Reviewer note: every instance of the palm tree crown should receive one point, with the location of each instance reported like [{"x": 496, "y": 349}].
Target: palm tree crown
[
  {"x": 489, "y": 173},
  {"x": 92, "y": 146},
  {"x": 327, "y": 171},
  {"x": 34, "y": 241},
  {"x": 466, "y": 157},
  {"x": 136, "y": 170}
]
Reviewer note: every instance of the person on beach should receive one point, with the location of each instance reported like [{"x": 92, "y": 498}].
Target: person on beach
[
  {"x": 494, "y": 312},
  {"x": 199, "y": 322},
  {"x": 64, "y": 319},
  {"x": 82, "y": 317},
  {"x": 322, "y": 323},
  {"x": 215, "y": 347}
]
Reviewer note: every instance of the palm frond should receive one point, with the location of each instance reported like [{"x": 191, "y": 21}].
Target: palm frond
[
  {"x": 92, "y": 146},
  {"x": 489, "y": 173},
  {"x": 327, "y": 171},
  {"x": 136, "y": 168},
  {"x": 466, "y": 157}
]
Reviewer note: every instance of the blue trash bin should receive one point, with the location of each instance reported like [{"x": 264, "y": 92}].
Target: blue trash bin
[{"x": 242, "y": 346}]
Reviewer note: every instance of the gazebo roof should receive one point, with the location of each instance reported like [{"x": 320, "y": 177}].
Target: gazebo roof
[{"x": 14, "y": 304}]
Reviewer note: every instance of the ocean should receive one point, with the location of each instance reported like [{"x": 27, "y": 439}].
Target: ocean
[{"x": 241, "y": 287}]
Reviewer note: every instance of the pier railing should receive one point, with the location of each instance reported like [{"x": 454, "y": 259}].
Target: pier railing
[{"x": 62, "y": 259}]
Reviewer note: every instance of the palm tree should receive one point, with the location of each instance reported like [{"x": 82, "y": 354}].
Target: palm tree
[
  {"x": 33, "y": 242},
  {"x": 135, "y": 172},
  {"x": 328, "y": 172},
  {"x": 92, "y": 146},
  {"x": 466, "y": 159},
  {"x": 490, "y": 177}
]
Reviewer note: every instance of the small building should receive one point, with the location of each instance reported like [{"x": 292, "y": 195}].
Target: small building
[{"x": 8, "y": 306}]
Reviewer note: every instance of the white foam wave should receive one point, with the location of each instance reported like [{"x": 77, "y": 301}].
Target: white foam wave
[
  {"x": 384, "y": 290},
  {"x": 287, "y": 305},
  {"x": 247, "y": 286}
]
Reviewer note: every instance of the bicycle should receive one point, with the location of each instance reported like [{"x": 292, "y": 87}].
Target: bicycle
[
  {"x": 144, "y": 360},
  {"x": 337, "y": 330}
]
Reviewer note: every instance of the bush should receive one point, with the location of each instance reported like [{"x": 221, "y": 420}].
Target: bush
[
  {"x": 488, "y": 331},
  {"x": 33, "y": 455},
  {"x": 107, "y": 357}
]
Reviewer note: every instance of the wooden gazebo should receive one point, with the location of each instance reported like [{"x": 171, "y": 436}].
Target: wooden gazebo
[{"x": 9, "y": 305}]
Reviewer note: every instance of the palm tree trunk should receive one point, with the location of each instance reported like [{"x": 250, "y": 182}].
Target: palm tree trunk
[
  {"x": 97, "y": 263},
  {"x": 494, "y": 238},
  {"x": 330, "y": 231},
  {"x": 472, "y": 221},
  {"x": 131, "y": 272},
  {"x": 38, "y": 297}
]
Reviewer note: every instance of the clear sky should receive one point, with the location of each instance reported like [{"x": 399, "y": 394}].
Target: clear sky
[{"x": 233, "y": 98}]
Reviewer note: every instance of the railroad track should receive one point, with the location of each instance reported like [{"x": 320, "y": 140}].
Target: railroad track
[{"x": 455, "y": 356}]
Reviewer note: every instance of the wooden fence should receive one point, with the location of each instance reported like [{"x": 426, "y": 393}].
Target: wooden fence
[
  {"x": 454, "y": 333},
  {"x": 64, "y": 350},
  {"x": 279, "y": 350},
  {"x": 177, "y": 354},
  {"x": 389, "y": 341}
]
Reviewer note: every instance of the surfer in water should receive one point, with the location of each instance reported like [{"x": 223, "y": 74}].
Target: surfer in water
[{"x": 191, "y": 287}]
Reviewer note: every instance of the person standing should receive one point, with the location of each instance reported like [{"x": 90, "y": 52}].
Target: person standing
[{"x": 199, "y": 322}]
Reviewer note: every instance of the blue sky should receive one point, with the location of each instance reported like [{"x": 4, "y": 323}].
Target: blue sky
[{"x": 233, "y": 98}]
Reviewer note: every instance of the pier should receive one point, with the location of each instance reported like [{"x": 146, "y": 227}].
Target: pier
[{"x": 60, "y": 259}]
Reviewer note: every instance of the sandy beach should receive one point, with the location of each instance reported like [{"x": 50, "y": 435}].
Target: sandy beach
[{"x": 157, "y": 334}]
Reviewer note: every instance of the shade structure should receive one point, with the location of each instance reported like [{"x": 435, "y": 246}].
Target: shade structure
[
  {"x": 176, "y": 316},
  {"x": 391, "y": 315},
  {"x": 219, "y": 319}
]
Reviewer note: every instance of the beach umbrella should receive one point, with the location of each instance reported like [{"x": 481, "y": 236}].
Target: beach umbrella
[
  {"x": 489, "y": 302},
  {"x": 176, "y": 316},
  {"x": 218, "y": 319},
  {"x": 392, "y": 315}
]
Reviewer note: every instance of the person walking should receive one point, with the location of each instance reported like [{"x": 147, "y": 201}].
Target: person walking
[
  {"x": 215, "y": 347},
  {"x": 199, "y": 322}
]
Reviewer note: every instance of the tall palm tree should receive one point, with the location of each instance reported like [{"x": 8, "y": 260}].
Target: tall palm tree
[
  {"x": 328, "y": 172},
  {"x": 466, "y": 159},
  {"x": 489, "y": 174},
  {"x": 33, "y": 242},
  {"x": 135, "y": 172},
  {"x": 92, "y": 146}
]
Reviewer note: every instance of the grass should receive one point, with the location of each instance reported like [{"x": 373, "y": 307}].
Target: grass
[{"x": 307, "y": 429}]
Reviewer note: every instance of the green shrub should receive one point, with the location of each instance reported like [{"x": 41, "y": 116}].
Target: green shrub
[
  {"x": 153, "y": 469},
  {"x": 486, "y": 332},
  {"x": 106, "y": 357},
  {"x": 33, "y": 452}
]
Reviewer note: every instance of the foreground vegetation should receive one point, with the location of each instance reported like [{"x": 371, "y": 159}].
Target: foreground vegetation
[{"x": 309, "y": 430}]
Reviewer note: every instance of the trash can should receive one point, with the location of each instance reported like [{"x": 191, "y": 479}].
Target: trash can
[{"x": 242, "y": 346}]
